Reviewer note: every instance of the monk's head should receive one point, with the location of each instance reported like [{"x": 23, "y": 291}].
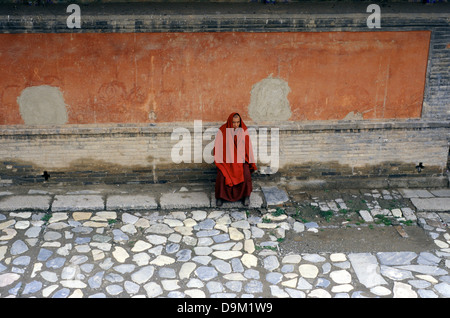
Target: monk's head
[{"x": 236, "y": 121}]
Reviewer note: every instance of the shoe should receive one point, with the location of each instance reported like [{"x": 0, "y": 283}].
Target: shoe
[
  {"x": 247, "y": 201},
  {"x": 219, "y": 202}
]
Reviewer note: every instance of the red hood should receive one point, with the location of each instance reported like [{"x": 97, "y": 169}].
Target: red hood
[{"x": 230, "y": 142}]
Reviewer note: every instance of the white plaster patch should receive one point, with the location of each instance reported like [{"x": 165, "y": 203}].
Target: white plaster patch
[
  {"x": 42, "y": 105},
  {"x": 269, "y": 101}
]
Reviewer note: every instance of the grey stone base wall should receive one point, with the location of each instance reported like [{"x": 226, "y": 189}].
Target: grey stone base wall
[{"x": 311, "y": 154}]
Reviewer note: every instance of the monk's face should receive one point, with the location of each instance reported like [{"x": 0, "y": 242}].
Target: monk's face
[{"x": 236, "y": 122}]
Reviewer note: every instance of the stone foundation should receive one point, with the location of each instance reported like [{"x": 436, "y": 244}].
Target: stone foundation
[{"x": 311, "y": 154}]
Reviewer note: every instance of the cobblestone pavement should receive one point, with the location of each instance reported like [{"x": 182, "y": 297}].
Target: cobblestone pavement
[{"x": 93, "y": 244}]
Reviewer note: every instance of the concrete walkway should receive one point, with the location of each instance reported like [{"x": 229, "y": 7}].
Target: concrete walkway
[{"x": 171, "y": 241}]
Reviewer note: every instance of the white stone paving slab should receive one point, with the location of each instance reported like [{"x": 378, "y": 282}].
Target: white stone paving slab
[
  {"x": 184, "y": 200},
  {"x": 274, "y": 195},
  {"x": 366, "y": 216},
  {"x": 25, "y": 202},
  {"x": 431, "y": 204},
  {"x": 131, "y": 202},
  {"x": 88, "y": 202},
  {"x": 367, "y": 269},
  {"x": 408, "y": 213},
  {"x": 396, "y": 258},
  {"x": 441, "y": 192},
  {"x": 416, "y": 193},
  {"x": 425, "y": 269}
]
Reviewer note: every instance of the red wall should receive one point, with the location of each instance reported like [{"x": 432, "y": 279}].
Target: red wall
[{"x": 121, "y": 78}]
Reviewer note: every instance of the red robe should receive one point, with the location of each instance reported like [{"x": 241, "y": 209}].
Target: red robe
[{"x": 233, "y": 156}]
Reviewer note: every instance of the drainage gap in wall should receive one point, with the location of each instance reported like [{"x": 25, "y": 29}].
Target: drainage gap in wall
[
  {"x": 46, "y": 175},
  {"x": 419, "y": 167}
]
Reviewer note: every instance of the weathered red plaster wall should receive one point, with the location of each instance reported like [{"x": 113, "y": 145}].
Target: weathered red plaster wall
[{"x": 164, "y": 77}]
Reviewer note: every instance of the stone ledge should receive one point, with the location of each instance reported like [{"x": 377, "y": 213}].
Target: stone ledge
[
  {"x": 432, "y": 204},
  {"x": 167, "y": 128},
  {"x": 25, "y": 202},
  {"x": 184, "y": 200},
  {"x": 72, "y": 202},
  {"x": 361, "y": 182},
  {"x": 131, "y": 202}
]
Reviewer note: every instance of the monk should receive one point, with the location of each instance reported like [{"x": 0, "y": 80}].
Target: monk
[{"x": 233, "y": 156}]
